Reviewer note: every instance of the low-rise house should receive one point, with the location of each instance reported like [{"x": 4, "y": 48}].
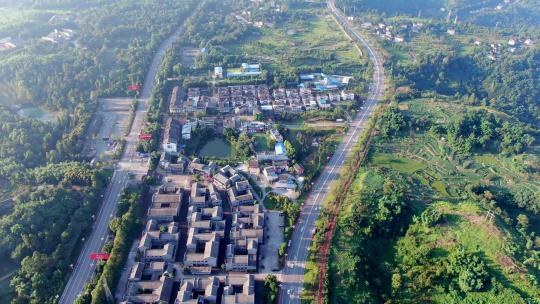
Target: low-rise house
[
  {"x": 144, "y": 292},
  {"x": 285, "y": 181},
  {"x": 165, "y": 207},
  {"x": 276, "y": 135},
  {"x": 241, "y": 255},
  {"x": 202, "y": 251},
  {"x": 198, "y": 290},
  {"x": 204, "y": 195},
  {"x": 239, "y": 289},
  {"x": 150, "y": 271},
  {"x": 171, "y": 136},
  {"x": 270, "y": 174},
  {"x": 249, "y": 217},
  {"x": 196, "y": 167},
  {"x": 186, "y": 131},
  {"x": 6, "y": 44},
  {"x": 175, "y": 105},
  {"x": 254, "y": 167},
  {"x": 218, "y": 72},
  {"x": 240, "y": 193},
  {"x": 59, "y": 35},
  {"x": 226, "y": 177},
  {"x": 298, "y": 169}
]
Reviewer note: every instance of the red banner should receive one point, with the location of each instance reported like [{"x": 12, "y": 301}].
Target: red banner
[
  {"x": 134, "y": 87},
  {"x": 145, "y": 136},
  {"x": 99, "y": 256}
]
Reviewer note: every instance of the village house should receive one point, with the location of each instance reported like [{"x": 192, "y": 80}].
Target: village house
[
  {"x": 254, "y": 167},
  {"x": 239, "y": 289},
  {"x": 171, "y": 136},
  {"x": 144, "y": 292},
  {"x": 240, "y": 193},
  {"x": 165, "y": 206},
  {"x": 159, "y": 242},
  {"x": 198, "y": 290}
]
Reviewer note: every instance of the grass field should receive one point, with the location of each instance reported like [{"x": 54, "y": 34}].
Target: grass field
[
  {"x": 260, "y": 142},
  {"x": 313, "y": 41}
]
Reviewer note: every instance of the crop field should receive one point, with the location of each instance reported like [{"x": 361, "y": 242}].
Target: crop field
[{"x": 434, "y": 164}]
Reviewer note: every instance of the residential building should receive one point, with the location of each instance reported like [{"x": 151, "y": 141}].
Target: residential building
[
  {"x": 254, "y": 167},
  {"x": 198, "y": 290},
  {"x": 270, "y": 174},
  {"x": 171, "y": 136},
  {"x": 239, "y": 289},
  {"x": 240, "y": 193},
  {"x": 165, "y": 206},
  {"x": 144, "y": 292},
  {"x": 218, "y": 72}
]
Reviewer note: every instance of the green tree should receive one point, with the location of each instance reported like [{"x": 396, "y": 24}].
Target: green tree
[
  {"x": 290, "y": 150},
  {"x": 271, "y": 285}
]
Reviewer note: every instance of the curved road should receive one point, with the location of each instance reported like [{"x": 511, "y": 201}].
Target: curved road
[
  {"x": 292, "y": 277},
  {"x": 84, "y": 268}
]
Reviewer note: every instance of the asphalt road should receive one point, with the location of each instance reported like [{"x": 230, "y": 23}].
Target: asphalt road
[
  {"x": 293, "y": 273},
  {"x": 129, "y": 164}
]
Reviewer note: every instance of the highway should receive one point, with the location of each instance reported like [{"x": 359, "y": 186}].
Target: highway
[
  {"x": 292, "y": 276},
  {"x": 129, "y": 165}
]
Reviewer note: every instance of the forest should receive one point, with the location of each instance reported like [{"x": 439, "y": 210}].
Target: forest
[
  {"x": 46, "y": 225},
  {"x": 43, "y": 174}
]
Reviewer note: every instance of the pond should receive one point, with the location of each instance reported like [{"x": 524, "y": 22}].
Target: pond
[
  {"x": 38, "y": 114},
  {"x": 217, "y": 147}
]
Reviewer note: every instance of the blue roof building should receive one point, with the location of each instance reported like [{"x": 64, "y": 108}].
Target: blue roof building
[{"x": 279, "y": 148}]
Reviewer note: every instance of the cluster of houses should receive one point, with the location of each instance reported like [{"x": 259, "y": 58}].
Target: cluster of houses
[
  {"x": 399, "y": 33},
  {"x": 250, "y": 99},
  {"x": 235, "y": 289},
  {"x": 306, "y": 99},
  {"x": 393, "y": 33},
  {"x": 151, "y": 279},
  {"x": 207, "y": 227},
  {"x": 512, "y": 46},
  {"x": 59, "y": 36},
  {"x": 208, "y": 241}
]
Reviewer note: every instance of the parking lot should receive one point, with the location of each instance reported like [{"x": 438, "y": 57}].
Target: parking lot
[
  {"x": 269, "y": 261},
  {"x": 108, "y": 125}
]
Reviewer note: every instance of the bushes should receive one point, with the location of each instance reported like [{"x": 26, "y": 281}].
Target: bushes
[
  {"x": 470, "y": 272},
  {"x": 392, "y": 121},
  {"x": 271, "y": 285}
]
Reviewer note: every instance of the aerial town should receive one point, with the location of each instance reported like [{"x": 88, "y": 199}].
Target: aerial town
[{"x": 207, "y": 227}]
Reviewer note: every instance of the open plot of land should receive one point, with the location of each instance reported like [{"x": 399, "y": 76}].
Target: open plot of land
[
  {"x": 274, "y": 229},
  {"x": 189, "y": 55},
  {"x": 109, "y": 123},
  {"x": 315, "y": 40}
]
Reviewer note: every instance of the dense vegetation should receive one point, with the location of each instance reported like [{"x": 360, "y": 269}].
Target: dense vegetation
[
  {"x": 509, "y": 85},
  {"x": 46, "y": 226},
  {"x": 54, "y": 195},
  {"x": 113, "y": 46},
  {"x": 460, "y": 141}
]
